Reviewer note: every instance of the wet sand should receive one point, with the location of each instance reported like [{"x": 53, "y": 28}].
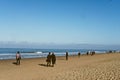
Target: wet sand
[{"x": 97, "y": 67}]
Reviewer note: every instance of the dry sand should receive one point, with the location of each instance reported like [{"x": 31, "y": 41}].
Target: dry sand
[{"x": 97, "y": 67}]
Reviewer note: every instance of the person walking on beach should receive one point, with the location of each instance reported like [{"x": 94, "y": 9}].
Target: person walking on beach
[
  {"x": 79, "y": 54},
  {"x": 18, "y": 58},
  {"x": 66, "y": 55},
  {"x": 48, "y": 59},
  {"x": 53, "y": 59},
  {"x": 87, "y": 53},
  {"x": 93, "y": 53}
]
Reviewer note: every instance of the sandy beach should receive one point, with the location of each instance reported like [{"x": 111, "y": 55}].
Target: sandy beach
[{"x": 97, "y": 67}]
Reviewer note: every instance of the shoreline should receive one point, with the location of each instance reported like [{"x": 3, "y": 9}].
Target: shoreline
[
  {"x": 59, "y": 56},
  {"x": 10, "y": 53}
]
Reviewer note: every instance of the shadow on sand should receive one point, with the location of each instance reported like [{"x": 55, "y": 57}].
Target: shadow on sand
[
  {"x": 45, "y": 65},
  {"x": 15, "y": 63}
]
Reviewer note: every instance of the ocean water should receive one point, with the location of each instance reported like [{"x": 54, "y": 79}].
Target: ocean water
[{"x": 10, "y": 53}]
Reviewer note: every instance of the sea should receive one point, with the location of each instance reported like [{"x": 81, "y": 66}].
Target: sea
[{"x": 10, "y": 53}]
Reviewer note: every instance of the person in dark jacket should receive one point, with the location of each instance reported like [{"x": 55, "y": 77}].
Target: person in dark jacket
[
  {"x": 53, "y": 59},
  {"x": 79, "y": 54},
  {"x": 66, "y": 55},
  {"x": 87, "y": 53},
  {"x": 48, "y": 59}
]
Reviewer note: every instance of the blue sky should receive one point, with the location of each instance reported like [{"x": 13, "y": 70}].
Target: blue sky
[{"x": 60, "y": 21}]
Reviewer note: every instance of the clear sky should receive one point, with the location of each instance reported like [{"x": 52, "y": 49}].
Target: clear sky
[{"x": 60, "y": 21}]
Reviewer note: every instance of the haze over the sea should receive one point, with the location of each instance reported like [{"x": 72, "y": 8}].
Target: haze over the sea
[{"x": 60, "y": 24}]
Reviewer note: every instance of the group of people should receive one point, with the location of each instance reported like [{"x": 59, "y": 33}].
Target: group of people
[
  {"x": 79, "y": 54},
  {"x": 91, "y": 53},
  {"x": 51, "y": 58}
]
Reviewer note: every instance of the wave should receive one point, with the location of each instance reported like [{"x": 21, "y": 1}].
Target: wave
[
  {"x": 100, "y": 51},
  {"x": 5, "y": 54},
  {"x": 38, "y": 52},
  {"x": 35, "y": 53}
]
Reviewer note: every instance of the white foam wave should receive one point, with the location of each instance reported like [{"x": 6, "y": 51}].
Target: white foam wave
[{"x": 38, "y": 52}]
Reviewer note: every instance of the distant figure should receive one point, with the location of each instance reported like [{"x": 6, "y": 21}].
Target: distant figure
[
  {"x": 66, "y": 55},
  {"x": 110, "y": 51},
  {"x": 79, "y": 54},
  {"x": 87, "y": 53},
  {"x": 114, "y": 51},
  {"x": 93, "y": 53},
  {"x": 18, "y": 58},
  {"x": 53, "y": 59},
  {"x": 48, "y": 59}
]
